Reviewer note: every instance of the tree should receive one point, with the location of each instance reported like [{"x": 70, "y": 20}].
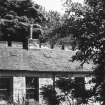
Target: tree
[
  {"x": 63, "y": 33},
  {"x": 74, "y": 90},
  {"x": 89, "y": 32},
  {"x": 66, "y": 90},
  {"x": 17, "y": 17},
  {"x": 50, "y": 95},
  {"x": 53, "y": 21}
]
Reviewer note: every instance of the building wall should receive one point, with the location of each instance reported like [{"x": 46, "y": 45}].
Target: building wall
[
  {"x": 19, "y": 88},
  {"x": 24, "y": 88}
]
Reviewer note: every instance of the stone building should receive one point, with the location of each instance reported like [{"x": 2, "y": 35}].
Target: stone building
[{"x": 22, "y": 70}]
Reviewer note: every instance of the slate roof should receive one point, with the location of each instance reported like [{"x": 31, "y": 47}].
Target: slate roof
[{"x": 39, "y": 60}]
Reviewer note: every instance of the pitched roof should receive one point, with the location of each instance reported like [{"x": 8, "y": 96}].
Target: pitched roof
[{"x": 42, "y": 60}]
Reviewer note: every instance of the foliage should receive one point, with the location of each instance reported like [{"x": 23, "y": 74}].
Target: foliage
[
  {"x": 53, "y": 21},
  {"x": 50, "y": 95},
  {"x": 52, "y": 26},
  {"x": 16, "y": 16},
  {"x": 74, "y": 89},
  {"x": 68, "y": 25},
  {"x": 89, "y": 33},
  {"x": 66, "y": 90}
]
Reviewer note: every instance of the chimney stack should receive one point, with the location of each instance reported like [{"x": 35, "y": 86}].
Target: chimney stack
[{"x": 32, "y": 43}]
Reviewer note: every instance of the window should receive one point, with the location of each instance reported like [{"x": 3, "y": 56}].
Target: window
[
  {"x": 6, "y": 88},
  {"x": 32, "y": 88}
]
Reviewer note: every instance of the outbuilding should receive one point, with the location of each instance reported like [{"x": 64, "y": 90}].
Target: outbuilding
[{"x": 21, "y": 70}]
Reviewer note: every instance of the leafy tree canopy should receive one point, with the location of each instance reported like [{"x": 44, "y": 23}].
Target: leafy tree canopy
[
  {"x": 16, "y": 16},
  {"x": 89, "y": 33},
  {"x": 67, "y": 28},
  {"x": 85, "y": 24},
  {"x": 53, "y": 21}
]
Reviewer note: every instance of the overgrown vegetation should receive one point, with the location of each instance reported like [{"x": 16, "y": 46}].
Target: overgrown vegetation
[
  {"x": 89, "y": 32},
  {"x": 67, "y": 90},
  {"x": 50, "y": 95}
]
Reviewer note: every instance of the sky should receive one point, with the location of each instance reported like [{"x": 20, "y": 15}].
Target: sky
[{"x": 56, "y": 5}]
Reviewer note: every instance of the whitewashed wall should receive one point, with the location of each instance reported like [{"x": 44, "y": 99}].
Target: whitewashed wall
[{"x": 19, "y": 88}]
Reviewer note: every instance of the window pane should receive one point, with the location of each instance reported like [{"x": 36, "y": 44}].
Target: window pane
[
  {"x": 6, "y": 88},
  {"x": 32, "y": 88}
]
